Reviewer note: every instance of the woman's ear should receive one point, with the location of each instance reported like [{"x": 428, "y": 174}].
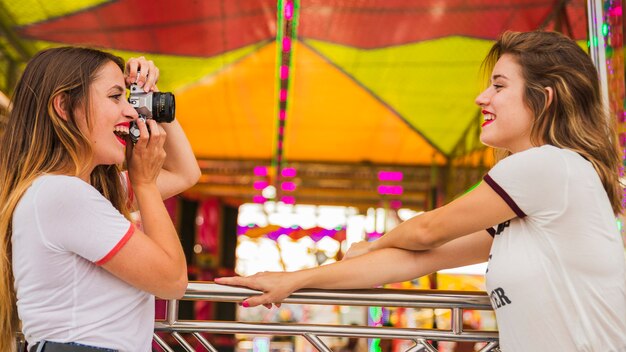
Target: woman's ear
[
  {"x": 59, "y": 103},
  {"x": 549, "y": 96}
]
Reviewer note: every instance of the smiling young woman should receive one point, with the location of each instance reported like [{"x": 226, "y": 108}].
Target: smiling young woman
[
  {"x": 71, "y": 260},
  {"x": 544, "y": 217}
]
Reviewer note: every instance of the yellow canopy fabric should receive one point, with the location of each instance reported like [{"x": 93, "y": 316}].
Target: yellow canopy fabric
[{"x": 373, "y": 82}]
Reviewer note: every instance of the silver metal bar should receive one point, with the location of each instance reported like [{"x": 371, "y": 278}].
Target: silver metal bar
[
  {"x": 181, "y": 340},
  {"x": 317, "y": 342},
  {"x": 162, "y": 343},
  {"x": 371, "y": 297},
  {"x": 204, "y": 342},
  {"x": 228, "y": 327},
  {"x": 428, "y": 346},
  {"x": 418, "y": 347},
  {"x": 457, "y": 320},
  {"x": 491, "y": 346},
  {"x": 453, "y": 300}
]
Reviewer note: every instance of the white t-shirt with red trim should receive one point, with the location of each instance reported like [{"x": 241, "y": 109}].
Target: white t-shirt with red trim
[
  {"x": 63, "y": 230},
  {"x": 557, "y": 272}
]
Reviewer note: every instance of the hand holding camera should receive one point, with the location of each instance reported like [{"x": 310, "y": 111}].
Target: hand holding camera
[
  {"x": 159, "y": 106},
  {"x": 141, "y": 75}
]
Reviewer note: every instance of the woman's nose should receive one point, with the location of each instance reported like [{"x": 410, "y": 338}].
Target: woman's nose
[
  {"x": 130, "y": 112},
  {"x": 483, "y": 98}
]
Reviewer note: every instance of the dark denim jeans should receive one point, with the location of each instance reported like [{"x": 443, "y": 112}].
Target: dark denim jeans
[{"x": 49, "y": 346}]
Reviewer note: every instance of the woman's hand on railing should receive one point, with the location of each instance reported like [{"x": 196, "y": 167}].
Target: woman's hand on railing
[{"x": 276, "y": 286}]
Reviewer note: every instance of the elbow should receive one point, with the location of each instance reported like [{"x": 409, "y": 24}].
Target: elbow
[
  {"x": 187, "y": 179},
  {"x": 428, "y": 237},
  {"x": 181, "y": 287},
  {"x": 175, "y": 290},
  {"x": 426, "y": 242},
  {"x": 193, "y": 176},
  {"x": 174, "y": 284}
]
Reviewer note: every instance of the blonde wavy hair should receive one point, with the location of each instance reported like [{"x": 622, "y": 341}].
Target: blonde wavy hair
[
  {"x": 36, "y": 140},
  {"x": 576, "y": 119}
]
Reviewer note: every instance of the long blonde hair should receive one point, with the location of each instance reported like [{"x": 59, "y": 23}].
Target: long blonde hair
[
  {"x": 576, "y": 118},
  {"x": 36, "y": 140}
]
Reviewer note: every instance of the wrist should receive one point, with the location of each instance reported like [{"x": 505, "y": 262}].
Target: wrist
[
  {"x": 301, "y": 279},
  {"x": 170, "y": 125},
  {"x": 142, "y": 188}
]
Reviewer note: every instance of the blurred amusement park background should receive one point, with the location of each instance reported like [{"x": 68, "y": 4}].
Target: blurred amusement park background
[{"x": 316, "y": 123}]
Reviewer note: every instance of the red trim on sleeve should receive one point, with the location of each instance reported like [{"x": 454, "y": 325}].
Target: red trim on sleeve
[{"x": 118, "y": 246}]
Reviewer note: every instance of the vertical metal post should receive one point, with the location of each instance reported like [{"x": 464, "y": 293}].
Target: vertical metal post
[
  {"x": 457, "y": 321},
  {"x": 597, "y": 45},
  {"x": 172, "y": 311}
]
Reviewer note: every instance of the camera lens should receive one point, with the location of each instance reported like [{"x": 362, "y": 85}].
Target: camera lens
[{"x": 163, "y": 107}]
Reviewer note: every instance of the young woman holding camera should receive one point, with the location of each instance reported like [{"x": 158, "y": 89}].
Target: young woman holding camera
[{"x": 82, "y": 275}]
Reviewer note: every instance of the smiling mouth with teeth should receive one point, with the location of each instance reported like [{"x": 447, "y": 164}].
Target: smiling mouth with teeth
[
  {"x": 121, "y": 132},
  {"x": 489, "y": 118}
]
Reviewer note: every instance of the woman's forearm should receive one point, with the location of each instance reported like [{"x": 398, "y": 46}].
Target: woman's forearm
[
  {"x": 364, "y": 271},
  {"x": 475, "y": 211},
  {"x": 390, "y": 265},
  {"x": 180, "y": 160},
  {"x": 157, "y": 225},
  {"x": 367, "y": 271},
  {"x": 411, "y": 234},
  {"x": 180, "y": 169}
]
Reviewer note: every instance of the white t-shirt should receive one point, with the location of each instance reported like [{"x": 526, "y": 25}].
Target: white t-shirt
[
  {"x": 556, "y": 273},
  {"x": 63, "y": 229}
]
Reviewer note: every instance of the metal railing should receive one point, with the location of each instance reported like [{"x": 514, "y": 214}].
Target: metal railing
[{"x": 455, "y": 301}]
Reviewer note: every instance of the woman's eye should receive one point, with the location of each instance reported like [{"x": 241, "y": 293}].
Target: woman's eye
[
  {"x": 497, "y": 86},
  {"x": 116, "y": 96}
]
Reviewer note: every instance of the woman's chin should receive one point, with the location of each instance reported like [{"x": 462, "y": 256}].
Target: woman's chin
[
  {"x": 117, "y": 160},
  {"x": 485, "y": 140}
]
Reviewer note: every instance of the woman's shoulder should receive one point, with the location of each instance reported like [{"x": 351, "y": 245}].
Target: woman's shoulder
[
  {"x": 546, "y": 149},
  {"x": 60, "y": 186},
  {"x": 52, "y": 180},
  {"x": 541, "y": 155},
  {"x": 546, "y": 161},
  {"x": 556, "y": 156}
]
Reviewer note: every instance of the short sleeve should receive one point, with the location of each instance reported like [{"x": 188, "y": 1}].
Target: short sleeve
[
  {"x": 532, "y": 182},
  {"x": 73, "y": 216}
]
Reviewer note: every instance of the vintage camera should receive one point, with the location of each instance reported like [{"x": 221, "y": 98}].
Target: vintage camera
[{"x": 159, "y": 106}]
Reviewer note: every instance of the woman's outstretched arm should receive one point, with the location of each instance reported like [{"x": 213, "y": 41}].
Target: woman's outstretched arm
[
  {"x": 365, "y": 271},
  {"x": 479, "y": 209}
]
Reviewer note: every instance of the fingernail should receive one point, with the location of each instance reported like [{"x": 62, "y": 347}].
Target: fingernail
[{"x": 245, "y": 304}]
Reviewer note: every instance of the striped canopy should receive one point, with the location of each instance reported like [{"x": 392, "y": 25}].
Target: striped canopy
[{"x": 389, "y": 82}]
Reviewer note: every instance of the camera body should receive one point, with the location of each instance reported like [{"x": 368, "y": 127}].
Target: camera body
[{"x": 159, "y": 106}]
